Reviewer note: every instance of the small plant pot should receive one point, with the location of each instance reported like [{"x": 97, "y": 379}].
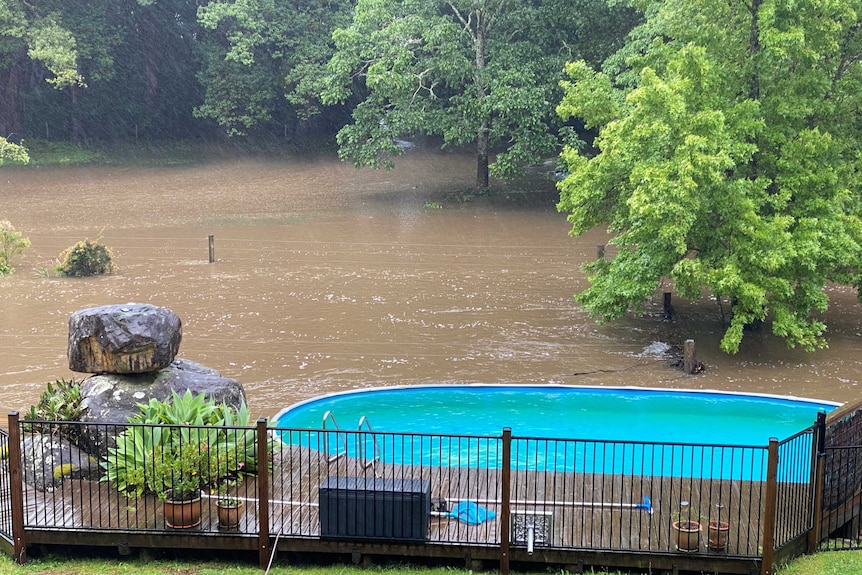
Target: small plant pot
[
  {"x": 687, "y": 535},
  {"x": 183, "y": 514},
  {"x": 718, "y": 535},
  {"x": 229, "y": 514}
]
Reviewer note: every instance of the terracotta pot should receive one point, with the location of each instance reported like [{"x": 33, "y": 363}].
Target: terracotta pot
[
  {"x": 718, "y": 534},
  {"x": 687, "y": 535},
  {"x": 229, "y": 514},
  {"x": 183, "y": 514}
]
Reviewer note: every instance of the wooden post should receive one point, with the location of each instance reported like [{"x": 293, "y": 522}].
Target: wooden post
[
  {"x": 667, "y": 307},
  {"x": 689, "y": 357},
  {"x": 16, "y": 490},
  {"x": 600, "y": 252},
  {"x": 212, "y": 248},
  {"x": 770, "y": 505},
  {"x": 505, "y": 500},
  {"x": 264, "y": 552},
  {"x": 819, "y": 467}
]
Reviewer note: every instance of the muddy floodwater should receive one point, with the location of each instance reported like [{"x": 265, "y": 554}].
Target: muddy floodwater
[{"x": 329, "y": 278}]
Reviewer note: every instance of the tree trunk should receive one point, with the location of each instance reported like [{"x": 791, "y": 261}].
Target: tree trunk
[
  {"x": 77, "y": 127},
  {"x": 482, "y": 134},
  {"x": 10, "y": 88},
  {"x": 482, "y": 157}
]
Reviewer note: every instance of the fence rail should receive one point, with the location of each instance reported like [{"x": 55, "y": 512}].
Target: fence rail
[{"x": 534, "y": 499}]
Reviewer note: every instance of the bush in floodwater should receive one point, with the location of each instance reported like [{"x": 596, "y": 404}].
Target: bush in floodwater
[
  {"x": 86, "y": 258},
  {"x": 12, "y": 243}
]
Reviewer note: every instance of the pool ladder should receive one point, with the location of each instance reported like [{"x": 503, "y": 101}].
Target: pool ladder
[{"x": 363, "y": 422}]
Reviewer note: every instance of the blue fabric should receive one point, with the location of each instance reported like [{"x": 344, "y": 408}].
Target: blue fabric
[{"x": 471, "y": 513}]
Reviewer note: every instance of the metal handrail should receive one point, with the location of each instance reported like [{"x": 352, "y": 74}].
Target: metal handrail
[
  {"x": 327, "y": 416},
  {"x": 364, "y": 421}
]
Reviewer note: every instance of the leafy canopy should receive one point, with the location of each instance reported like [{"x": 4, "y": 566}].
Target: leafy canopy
[
  {"x": 727, "y": 159},
  {"x": 481, "y": 72}
]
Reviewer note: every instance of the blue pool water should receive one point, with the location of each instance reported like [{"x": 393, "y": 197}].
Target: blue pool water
[{"x": 630, "y": 418}]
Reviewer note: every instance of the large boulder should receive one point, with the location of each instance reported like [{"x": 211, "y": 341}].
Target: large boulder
[
  {"x": 48, "y": 460},
  {"x": 130, "y": 338},
  {"x": 111, "y": 399}
]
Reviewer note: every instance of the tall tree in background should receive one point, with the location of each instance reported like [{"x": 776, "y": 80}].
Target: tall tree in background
[
  {"x": 471, "y": 71},
  {"x": 265, "y": 60},
  {"x": 728, "y": 159},
  {"x": 33, "y": 33}
]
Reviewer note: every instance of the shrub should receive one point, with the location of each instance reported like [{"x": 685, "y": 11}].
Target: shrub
[
  {"x": 61, "y": 401},
  {"x": 187, "y": 444},
  {"x": 86, "y": 258},
  {"x": 12, "y": 243}
]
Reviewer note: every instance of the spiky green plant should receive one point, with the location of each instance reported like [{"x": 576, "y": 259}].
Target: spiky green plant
[{"x": 181, "y": 445}]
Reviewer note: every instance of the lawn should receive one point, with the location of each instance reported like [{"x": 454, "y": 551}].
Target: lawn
[{"x": 826, "y": 563}]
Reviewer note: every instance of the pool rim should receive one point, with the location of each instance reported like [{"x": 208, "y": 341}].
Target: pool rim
[{"x": 791, "y": 398}]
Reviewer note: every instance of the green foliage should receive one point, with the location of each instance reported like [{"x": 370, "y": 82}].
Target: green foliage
[
  {"x": 179, "y": 446},
  {"x": 469, "y": 72},
  {"x": 12, "y": 243},
  {"x": 728, "y": 161},
  {"x": 263, "y": 56},
  {"x": 15, "y": 153},
  {"x": 86, "y": 258},
  {"x": 61, "y": 401}
]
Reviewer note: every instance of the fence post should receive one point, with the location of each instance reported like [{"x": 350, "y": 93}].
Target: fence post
[
  {"x": 506, "y": 498},
  {"x": 769, "y": 508},
  {"x": 264, "y": 552},
  {"x": 16, "y": 490},
  {"x": 818, "y": 465}
]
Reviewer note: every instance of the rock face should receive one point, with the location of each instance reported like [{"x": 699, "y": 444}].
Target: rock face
[
  {"x": 132, "y": 349},
  {"x": 53, "y": 459},
  {"x": 113, "y": 398},
  {"x": 130, "y": 338}
]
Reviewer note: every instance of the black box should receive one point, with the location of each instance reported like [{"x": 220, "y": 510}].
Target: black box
[{"x": 359, "y": 507}]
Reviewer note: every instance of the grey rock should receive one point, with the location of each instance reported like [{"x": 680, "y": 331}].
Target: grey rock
[
  {"x": 111, "y": 399},
  {"x": 48, "y": 460},
  {"x": 130, "y": 338}
]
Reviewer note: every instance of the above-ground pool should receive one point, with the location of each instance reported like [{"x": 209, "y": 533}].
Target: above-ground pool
[{"x": 605, "y": 418}]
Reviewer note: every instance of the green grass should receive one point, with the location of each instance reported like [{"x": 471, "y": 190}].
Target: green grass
[
  {"x": 163, "y": 153},
  {"x": 828, "y": 563}
]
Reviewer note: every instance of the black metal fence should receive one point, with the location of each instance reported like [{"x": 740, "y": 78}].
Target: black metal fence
[{"x": 530, "y": 498}]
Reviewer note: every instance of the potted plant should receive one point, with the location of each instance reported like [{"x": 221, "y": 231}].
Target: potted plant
[
  {"x": 718, "y": 530},
  {"x": 686, "y": 527},
  {"x": 178, "y": 447},
  {"x": 718, "y": 534},
  {"x": 229, "y": 509}
]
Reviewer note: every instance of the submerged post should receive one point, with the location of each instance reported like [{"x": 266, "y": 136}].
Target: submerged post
[
  {"x": 212, "y": 248},
  {"x": 16, "y": 490},
  {"x": 506, "y": 498},
  {"x": 689, "y": 361}
]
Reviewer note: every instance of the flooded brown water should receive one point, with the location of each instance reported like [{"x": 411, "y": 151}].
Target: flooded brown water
[{"x": 328, "y": 278}]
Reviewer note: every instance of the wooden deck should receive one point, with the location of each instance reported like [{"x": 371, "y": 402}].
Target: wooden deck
[{"x": 583, "y": 516}]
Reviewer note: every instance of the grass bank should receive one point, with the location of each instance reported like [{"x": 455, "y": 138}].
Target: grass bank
[
  {"x": 163, "y": 153},
  {"x": 831, "y": 563}
]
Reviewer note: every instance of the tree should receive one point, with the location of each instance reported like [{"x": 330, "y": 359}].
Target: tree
[
  {"x": 33, "y": 32},
  {"x": 265, "y": 60},
  {"x": 471, "y": 71},
  {"x": 727, "y": 159}
]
